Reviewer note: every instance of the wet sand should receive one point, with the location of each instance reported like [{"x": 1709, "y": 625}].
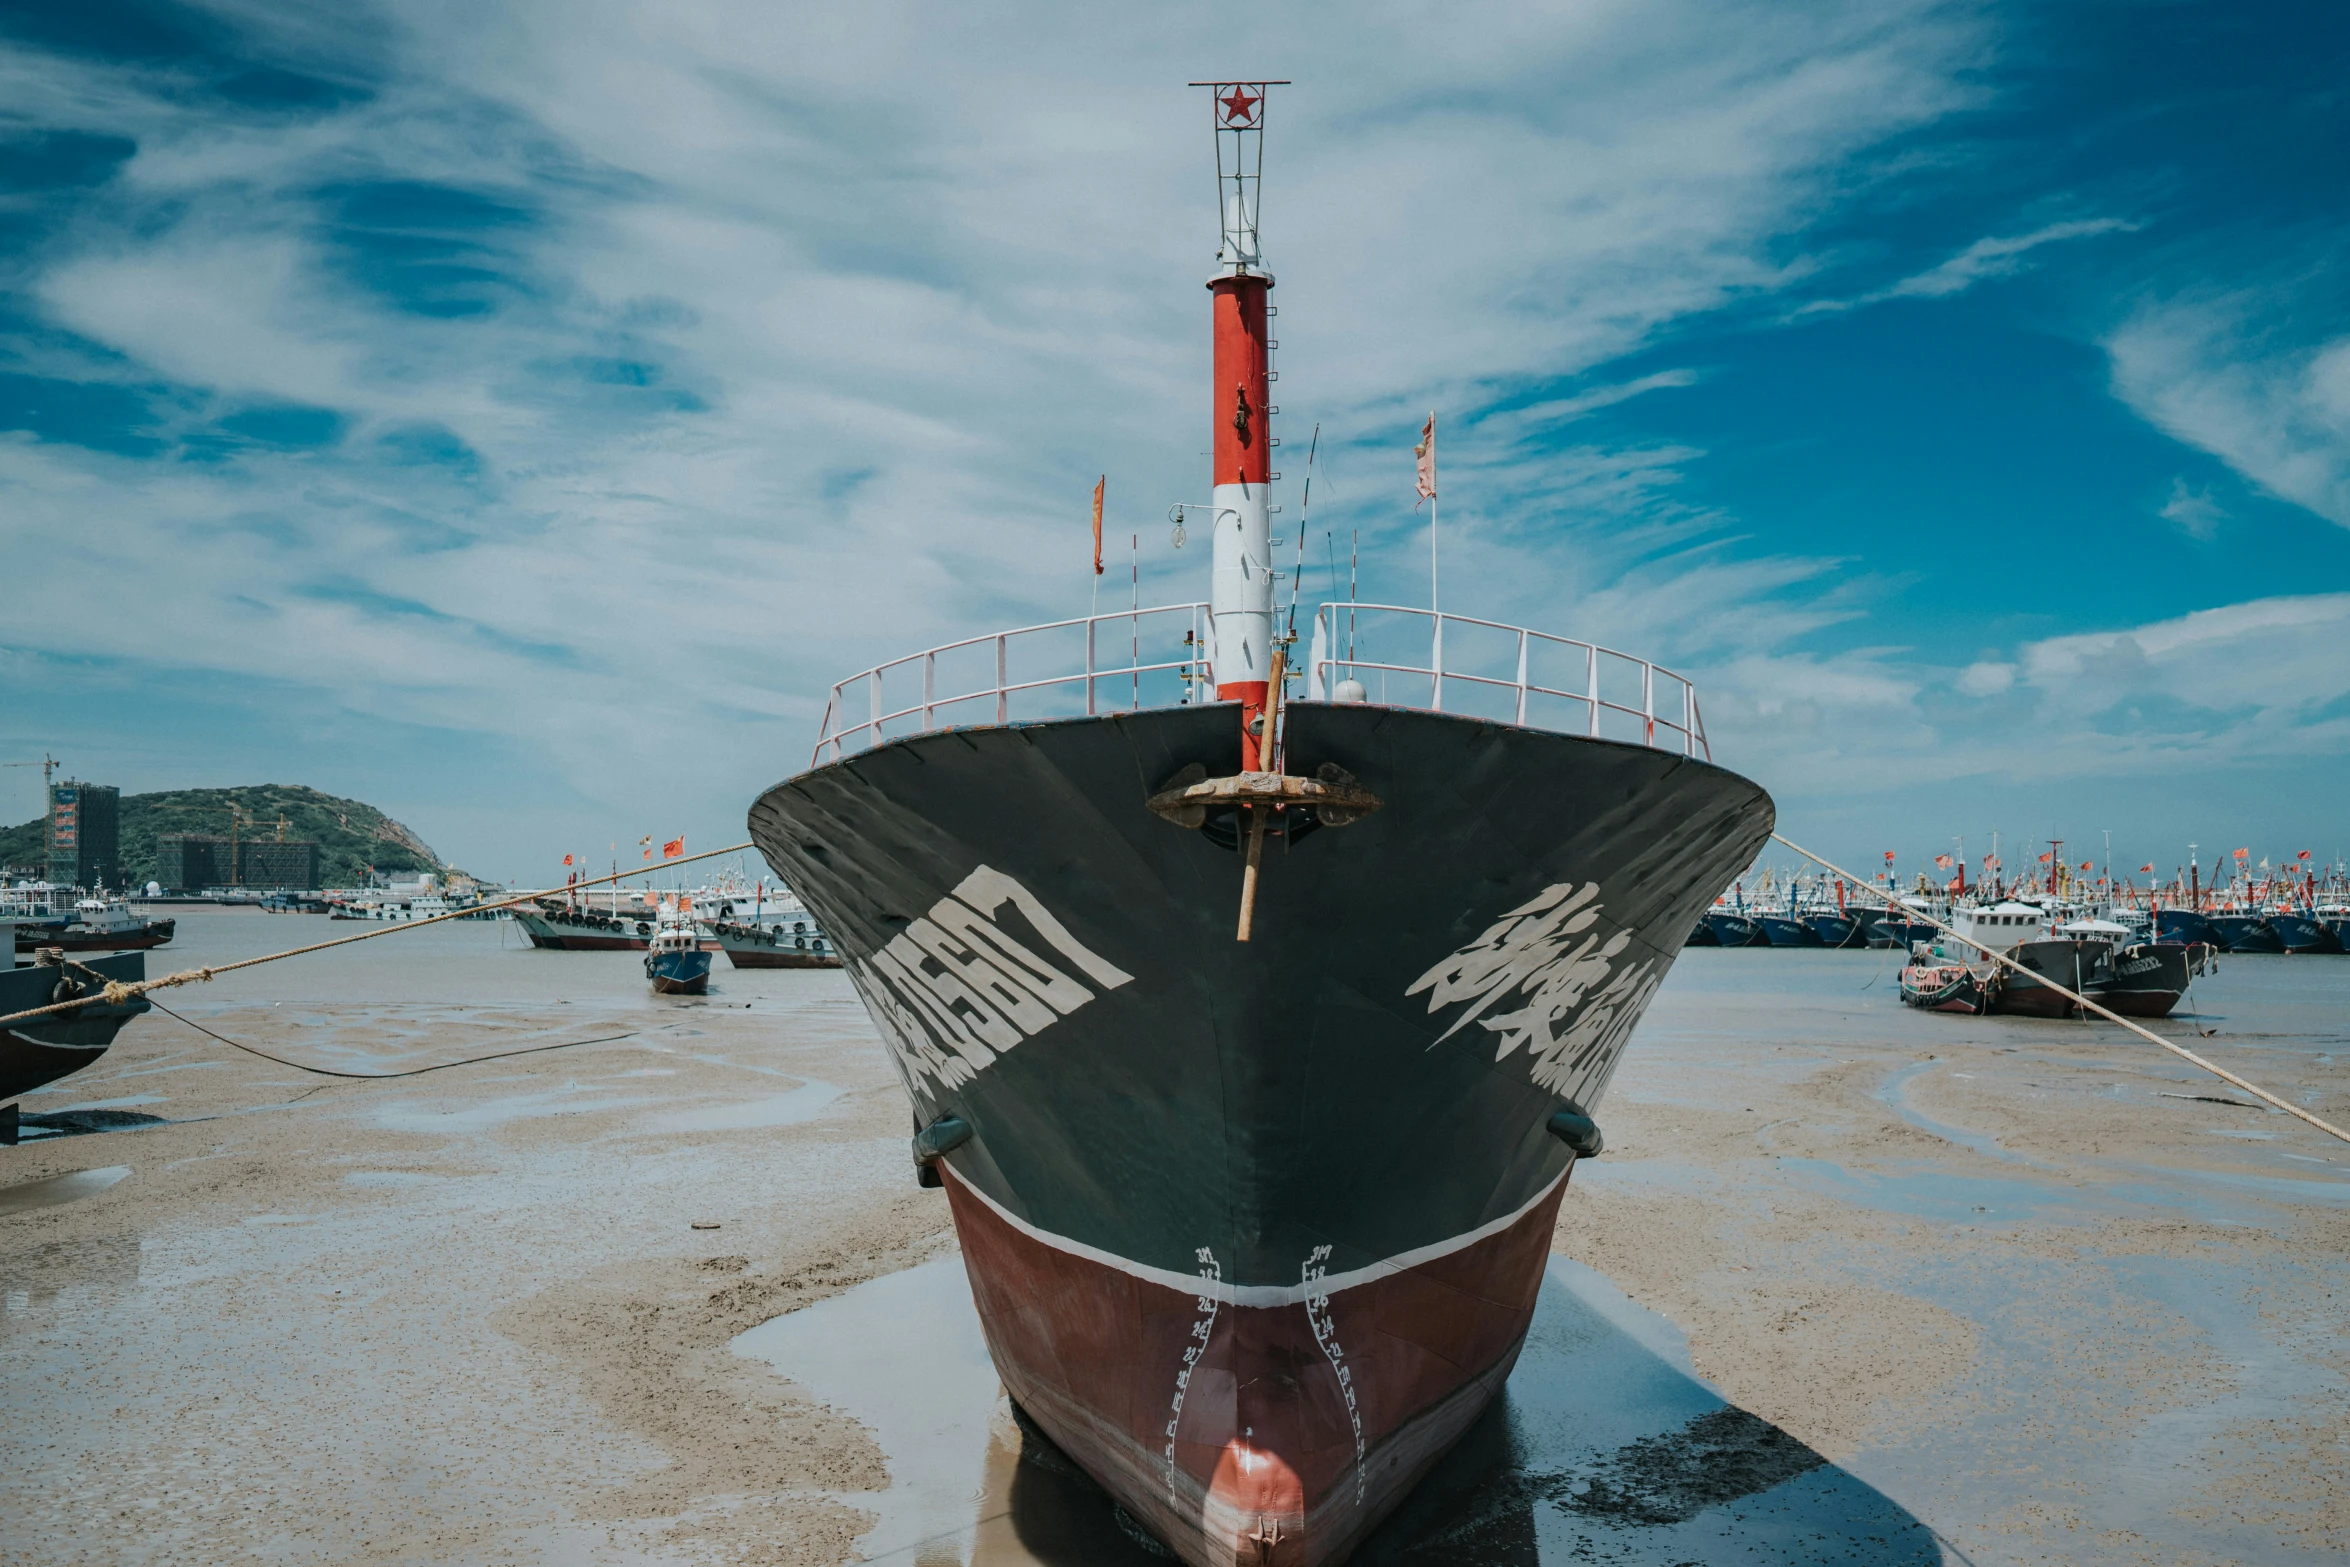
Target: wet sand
[{"x": 1851, "y": 1284}]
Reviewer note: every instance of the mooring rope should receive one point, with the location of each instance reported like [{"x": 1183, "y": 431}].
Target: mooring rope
[
  {"x": 118, "y": 991},
  {"x": 370, "y": 1077},
  {"x": 2146, "y": 1034}
]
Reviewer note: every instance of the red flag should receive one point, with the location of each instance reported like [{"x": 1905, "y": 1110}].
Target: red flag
[
  {"x": 567, "y": 859},
  {"x": 1099, "y": 486},
  {"x": 2085, "y": 864},
  {"x": 1888, "y": 856},
  {"x": 2146, "y": 869},
  {"x": 673, "y": 848},
  {"x": 1942, "y": 860},
  {"x": 2047, "y": 859},
  {"x": 1426, "y": 453},
  {"x": 2303, "y": 855},
  {"x": 2243, "y": 854}
]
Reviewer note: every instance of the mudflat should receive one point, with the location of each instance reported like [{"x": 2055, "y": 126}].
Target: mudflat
[{"x": 1974, "y": 1289}]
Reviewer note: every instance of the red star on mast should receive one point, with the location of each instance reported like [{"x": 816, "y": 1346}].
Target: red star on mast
[{"x": 1238, "y": 106}]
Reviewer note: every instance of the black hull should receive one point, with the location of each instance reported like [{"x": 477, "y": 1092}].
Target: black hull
[
  {"x": 2147, "y": 981},
  {"x": 1290, "y": 1091},
  {"x": 2084, "y": 967},
  {"x": 1366, "y": 1085},
  {"x": 72, "y": 938},
  {"x": 768, "y": 946},
  {"x": 42, "y": 1050}
]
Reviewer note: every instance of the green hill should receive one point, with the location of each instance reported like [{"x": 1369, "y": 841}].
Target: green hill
[{"x": 351, "y": 834}]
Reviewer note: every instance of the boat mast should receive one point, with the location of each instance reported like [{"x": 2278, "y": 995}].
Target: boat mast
[{"x": 1240, "y": 594}]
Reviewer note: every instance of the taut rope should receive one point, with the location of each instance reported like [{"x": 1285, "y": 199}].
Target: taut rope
[
  {"x": 117, "y": 991},
  {"x": 2146, "y": 1034}
]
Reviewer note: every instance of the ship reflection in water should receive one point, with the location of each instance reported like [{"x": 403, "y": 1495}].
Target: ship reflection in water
[{"x": 1605, "y": 1448}]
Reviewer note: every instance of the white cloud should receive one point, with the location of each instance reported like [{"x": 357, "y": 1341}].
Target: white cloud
[
  {"x": 1986, "y": 677},
  {"x": 1990, "y": 257},
  {"x": 2194, "y": 511},
  {"x": 2219, "y": 374}
]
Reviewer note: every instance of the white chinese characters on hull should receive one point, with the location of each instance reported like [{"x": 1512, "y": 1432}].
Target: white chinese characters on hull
[{"x": 1549, "y": 978}]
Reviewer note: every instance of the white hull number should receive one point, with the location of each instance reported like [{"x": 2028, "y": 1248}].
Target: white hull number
[{"x": 954, "y": 990}]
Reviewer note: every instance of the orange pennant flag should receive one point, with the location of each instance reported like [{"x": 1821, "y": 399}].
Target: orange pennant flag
[
  {"x": 1101, "y": 484},
  {"x": 673, "y": 848}
]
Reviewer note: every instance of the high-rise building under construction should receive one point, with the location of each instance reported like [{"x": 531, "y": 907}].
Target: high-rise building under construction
[{"x": 85, "y": 834}]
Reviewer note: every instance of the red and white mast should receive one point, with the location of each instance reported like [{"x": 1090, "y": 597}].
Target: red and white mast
[{"x": 1241, "y": 588}]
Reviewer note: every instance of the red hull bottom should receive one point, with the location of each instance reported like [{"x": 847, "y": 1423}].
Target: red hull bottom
[{"x": 1246, "y": 1434}]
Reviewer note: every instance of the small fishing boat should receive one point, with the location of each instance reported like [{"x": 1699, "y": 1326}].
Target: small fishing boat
[
  {"x": 1936, "y": 984},
  {"x": 674, "y": 959}
]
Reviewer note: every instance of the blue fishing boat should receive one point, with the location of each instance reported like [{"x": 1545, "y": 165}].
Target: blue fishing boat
[
  {"x": 1787, "y": 930},
  {"x": 2303, "y": 932},
  {"x": 1837, "y": 928},
  {"x": 2183, "y": 928},
  {"x": 2243, "y": 933},
  {"x": 1734, "y": 930},
  {"x": 674, "y": 959}
]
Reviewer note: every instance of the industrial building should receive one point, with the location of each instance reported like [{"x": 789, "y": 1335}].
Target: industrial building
[
  {"x": 85, "y": 834},
  {"x": 193, "y": 862}
]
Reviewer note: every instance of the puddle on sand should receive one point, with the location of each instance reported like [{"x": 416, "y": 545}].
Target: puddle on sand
[
  {"x": 803, "y": 1103},
  {"x": 51, "y": 1190},
  {"x": 1605, "y": 1447}
]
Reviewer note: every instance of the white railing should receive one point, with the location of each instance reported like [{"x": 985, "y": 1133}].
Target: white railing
[
  {"x": 1071, "y": 668},
  {"x": 1505, "y": 673},
  {"x": 1081, "y": 676}
]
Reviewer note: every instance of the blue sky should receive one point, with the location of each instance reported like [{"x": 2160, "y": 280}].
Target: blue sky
[{"x": 519, "y": 418}]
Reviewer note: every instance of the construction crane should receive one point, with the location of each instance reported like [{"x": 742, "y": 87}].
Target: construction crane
[{"x": 47, "y": 764}]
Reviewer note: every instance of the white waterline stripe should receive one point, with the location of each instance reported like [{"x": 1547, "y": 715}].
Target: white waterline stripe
[{"x": 1261, "y": 1295}]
